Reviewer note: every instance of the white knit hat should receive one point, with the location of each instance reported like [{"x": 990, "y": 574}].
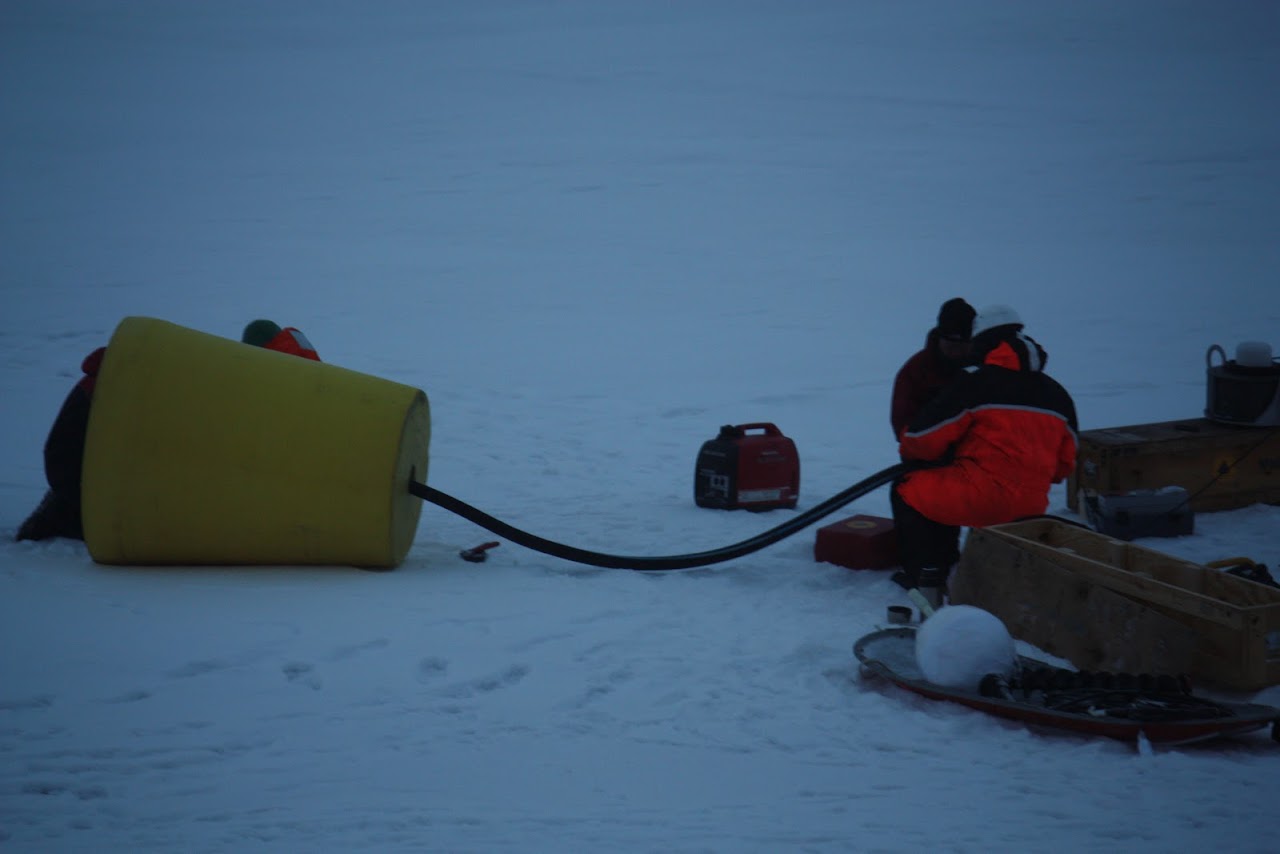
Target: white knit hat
[{"x": 993, "y": 316}]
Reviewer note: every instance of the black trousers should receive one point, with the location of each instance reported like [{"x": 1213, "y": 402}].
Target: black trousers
[
  {"x": 922, "y": 542},
  {"x": 64, "y": 447},
  {"x": 58, "y": 514}
]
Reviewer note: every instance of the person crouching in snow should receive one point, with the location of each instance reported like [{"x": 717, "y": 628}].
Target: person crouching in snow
[
  {"x": 268, "y": 334},
  {"x": 990, "y": 445},
  {"x": 58, "y": 514}
]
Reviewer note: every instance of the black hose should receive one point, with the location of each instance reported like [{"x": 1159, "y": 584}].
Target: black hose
[{"x": 649, "y": 564}]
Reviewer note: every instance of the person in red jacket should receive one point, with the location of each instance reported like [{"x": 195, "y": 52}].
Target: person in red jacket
[
  {"x": 268, "y": 334},
  {"x": 989, "y": 446},
  {"x": 945, "y": 353},
  {"x": 58, "y": 514}
]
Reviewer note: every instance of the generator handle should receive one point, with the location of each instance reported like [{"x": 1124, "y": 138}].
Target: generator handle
[
  {"x": 1208, "y": 356},
  {"x": 768, "y": 427}
]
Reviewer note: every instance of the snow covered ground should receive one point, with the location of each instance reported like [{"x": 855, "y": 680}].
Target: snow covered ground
[{"x": 593, "y": 232}]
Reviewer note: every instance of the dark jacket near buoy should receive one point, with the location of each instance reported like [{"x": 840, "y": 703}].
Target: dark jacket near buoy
[
  {"x": 58, "y": 514},
  {"x": 932, "y": 369},
  {"x": 919, "y": 381},
  {"x": 1001, "y": 434},
  {"x": 64, "y": 448}
]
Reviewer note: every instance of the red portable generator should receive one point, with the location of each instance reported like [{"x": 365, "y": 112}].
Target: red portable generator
[{"x": 750, "y": 466}]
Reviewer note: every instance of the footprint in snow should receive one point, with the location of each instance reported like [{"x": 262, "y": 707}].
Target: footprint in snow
[
  {"x": 431, "y": 668},
  {"x": 300, "y": 671},
  {"x": 133, "y": 696},
  {"x": 513, "y": 675},
  {"x": 356, "y": 648}
]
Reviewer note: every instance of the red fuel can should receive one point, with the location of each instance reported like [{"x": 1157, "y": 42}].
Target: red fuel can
[
  {"x": 747, "y": 466},
  {"x": 858, "y": 542}
]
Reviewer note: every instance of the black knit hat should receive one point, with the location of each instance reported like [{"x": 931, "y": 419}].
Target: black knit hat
[
  {"x": 259, "y": 332},
  {"x": 955, "y": 319}
]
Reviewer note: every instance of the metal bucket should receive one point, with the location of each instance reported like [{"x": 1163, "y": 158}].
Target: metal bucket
[{"x": 1245, "y": 390}]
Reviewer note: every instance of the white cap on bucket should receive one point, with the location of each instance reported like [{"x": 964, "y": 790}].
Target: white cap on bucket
[{"x": 1253, "y": 354}]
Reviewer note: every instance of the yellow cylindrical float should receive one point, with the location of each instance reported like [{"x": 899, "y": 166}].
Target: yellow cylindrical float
[{"x": 204, "y": 450}]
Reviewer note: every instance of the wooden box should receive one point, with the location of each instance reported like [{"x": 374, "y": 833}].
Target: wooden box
[
  {"x": 1222, "y": 466},
  {"x": 1104, "y": 604},
  {"x": 858, "y": 542}
]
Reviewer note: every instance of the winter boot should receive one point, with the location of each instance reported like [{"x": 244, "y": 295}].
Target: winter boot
[
  {"x": 932, "y": 584},
  {"x": 52, "y": 518}
]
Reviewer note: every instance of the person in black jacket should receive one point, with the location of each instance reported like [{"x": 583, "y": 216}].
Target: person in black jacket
[
  {"x": 58, "y": 514},
  {"x": 931, "y": 369}
]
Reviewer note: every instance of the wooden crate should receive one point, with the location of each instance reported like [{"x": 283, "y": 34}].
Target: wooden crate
[
  {"x": 1222, "y": 466},
  {"x": 1104, "y": 604}
]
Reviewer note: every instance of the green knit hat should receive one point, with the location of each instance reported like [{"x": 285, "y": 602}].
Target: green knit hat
[{"x": 259, "y": 332}]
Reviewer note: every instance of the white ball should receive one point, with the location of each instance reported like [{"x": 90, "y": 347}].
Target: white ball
[{"x": 960, "y": 644}]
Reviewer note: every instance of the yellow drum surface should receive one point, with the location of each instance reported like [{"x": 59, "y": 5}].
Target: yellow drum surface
[{"x": 204, "y": 450}]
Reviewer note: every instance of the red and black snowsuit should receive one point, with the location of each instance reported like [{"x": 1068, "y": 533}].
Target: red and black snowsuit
[
  {"x": 919, "y": 381},
  {"x": 290, "y": 340},
  {"x": 999, "y": 435},
  {"x": 58, "y": 514}
]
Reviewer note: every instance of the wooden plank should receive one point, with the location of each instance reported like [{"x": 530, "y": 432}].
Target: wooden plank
[
  {"x": 1092, "y": 627},
  {"x": 1067, "y": 539},
  {"x": 1108, "y": 563}
]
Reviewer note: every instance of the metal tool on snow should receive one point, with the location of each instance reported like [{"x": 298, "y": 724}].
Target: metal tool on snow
[{"x": 478, "y": 554}]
